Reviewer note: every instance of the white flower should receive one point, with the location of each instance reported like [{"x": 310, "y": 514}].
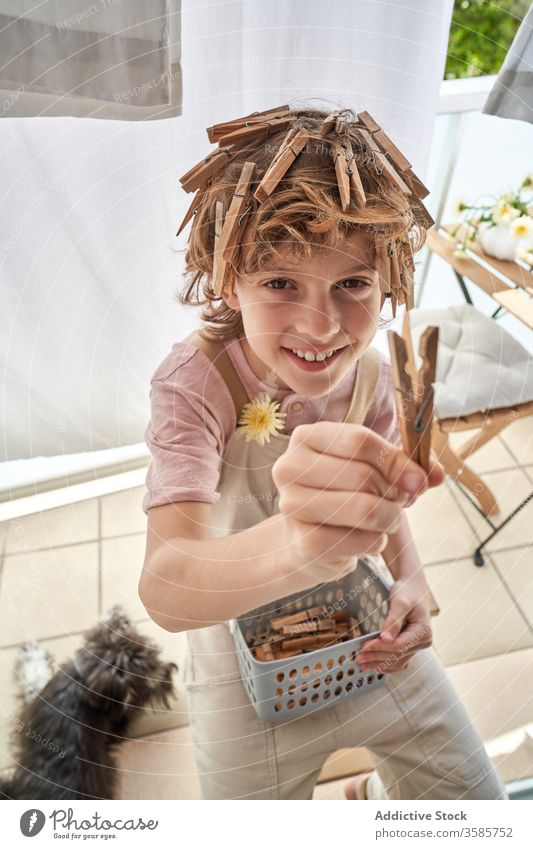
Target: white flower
[
  {"x": 521, "y": 227},
  {"x": 525, "y": 255},
  {"x": 459, "y": 205},
  {"x": 503, "y": 212}
]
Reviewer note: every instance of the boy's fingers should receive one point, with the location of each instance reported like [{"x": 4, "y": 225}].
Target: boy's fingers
[
  {"x": 355, "y": 441},
  {"x": 436, "y": 473},
  {"x": 394, "y": 621},
  {"x": 414, "y": 637}
]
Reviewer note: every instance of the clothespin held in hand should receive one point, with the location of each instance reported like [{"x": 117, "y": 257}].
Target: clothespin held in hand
[{"x": 414, "y": 389}]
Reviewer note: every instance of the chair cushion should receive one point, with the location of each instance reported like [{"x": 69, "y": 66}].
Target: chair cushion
[{"x": 480, "y": 365}]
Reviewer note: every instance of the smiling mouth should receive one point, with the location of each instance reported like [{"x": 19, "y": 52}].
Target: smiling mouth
[{"x": 313, "y": 364}]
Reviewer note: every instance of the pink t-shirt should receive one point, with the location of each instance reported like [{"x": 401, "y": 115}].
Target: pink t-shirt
[{"x": 193, "y": 417}]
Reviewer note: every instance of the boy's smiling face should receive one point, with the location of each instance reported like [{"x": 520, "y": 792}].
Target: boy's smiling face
[{"x": 331, "y": 300}]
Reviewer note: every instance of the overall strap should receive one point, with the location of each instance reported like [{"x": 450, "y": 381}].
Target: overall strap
[
  {"x": 220, "y": 358},
  {"x": 366, "y": 382}
]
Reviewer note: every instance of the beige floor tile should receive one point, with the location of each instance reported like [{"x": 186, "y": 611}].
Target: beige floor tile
[
  {"x": 330, "y": 790},
  {"x": 518, "y": 437},
  {"x": 160, "y": 766},
  {"x": 515, "y": 568},
  {"x": 510, "y": 488},
  {"x": 122, "y": 512},
  {"x": 4, "y": 530},
  {"x": 122, "y": 561},
  {"x": 513, "y": 755},
  {"x": 439, "y": 529},
  {"x": 478, "y": 617},
  {"x": 496, "y": 691},
  {"x": 48, "y": 593},
  {"x": 491, "y": 456},
  {"x": 67, "y": 525}
]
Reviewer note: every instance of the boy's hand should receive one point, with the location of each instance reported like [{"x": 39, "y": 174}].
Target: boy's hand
[
  {"x": 342, "y": 490},
  {"x": 406, "y": 630},
  {"x": 435, "y": 476}
]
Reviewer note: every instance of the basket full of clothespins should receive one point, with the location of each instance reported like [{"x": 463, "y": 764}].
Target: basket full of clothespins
[{"x": 298, "y": 654}]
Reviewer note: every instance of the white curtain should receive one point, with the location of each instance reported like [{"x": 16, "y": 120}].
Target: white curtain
[
  {"x": 512, "y": 93},
  {"x": 99, "y": 59},
  {"x": 89, "y": 209}
]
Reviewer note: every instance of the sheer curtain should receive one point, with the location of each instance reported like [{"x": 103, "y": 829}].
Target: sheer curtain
[
  {"x": 512, "y": 93},
  {"x": 88, "y": 258}
]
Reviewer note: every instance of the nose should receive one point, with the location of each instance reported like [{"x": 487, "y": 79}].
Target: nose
[{"x": 317, "y": 320}]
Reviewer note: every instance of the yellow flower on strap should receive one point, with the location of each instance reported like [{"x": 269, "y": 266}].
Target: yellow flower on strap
[{"x": 260, "y": 419}]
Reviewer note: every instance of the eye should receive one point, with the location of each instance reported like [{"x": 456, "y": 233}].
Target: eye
[
  {"x": 358, "y": 281},
  {"x": 270, "y": 283}
]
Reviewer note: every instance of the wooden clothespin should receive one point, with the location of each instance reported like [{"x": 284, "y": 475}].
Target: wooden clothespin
[
  {"x": 328, "y": 124},
  {"x": 254, "y": 130},
  {"x": 355, "y": 178},
  {"x": 218, "y": 131},
  {"x": 206, "y": 169},
  {"x": 280, "y": 165},
  {"x": 219, "y": 266},
  {"x": 191, "y": 210},
  {"x": 414, "y": 389},
  {"x": 227, "y": 241},
  {"x": 342, "y": 173}
]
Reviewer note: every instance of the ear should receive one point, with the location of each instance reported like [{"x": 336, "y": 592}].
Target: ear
[{"x": 229, "y": 295}]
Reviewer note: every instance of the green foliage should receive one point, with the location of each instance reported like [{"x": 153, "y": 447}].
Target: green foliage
[{"x": 480, "y": 35}]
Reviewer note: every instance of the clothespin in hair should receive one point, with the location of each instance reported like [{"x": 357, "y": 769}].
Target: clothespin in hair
[
  {"x": 342, "y": 173},
  {"x": 219, "y": 266},
  {"x": 191, "y": 210},
  {"x": 383, "y": 263},
  {"x": 394, "y": 276},
  {"x": 328, "y": 124},
  {"x": 218, "y": 131},
  {"x": 414, "y": 389},
  {"x": 206, "y": 169},
  {"x": 232, "y": 227},
  {"x": 353, "y": 173},
  {"x": 281, "y": 164},
  {"x": 254, "y": 129}
]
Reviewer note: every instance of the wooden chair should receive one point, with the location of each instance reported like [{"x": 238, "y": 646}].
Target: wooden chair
[
  {"x": 484, "y": 383},
  {"x": 488, "y": 424}
]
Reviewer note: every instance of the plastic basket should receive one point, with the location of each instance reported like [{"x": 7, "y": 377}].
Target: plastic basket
[{"x": 290, "y": 687}]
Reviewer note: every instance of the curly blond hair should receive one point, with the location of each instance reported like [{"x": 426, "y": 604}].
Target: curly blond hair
[{"x": 304, "y": 211}]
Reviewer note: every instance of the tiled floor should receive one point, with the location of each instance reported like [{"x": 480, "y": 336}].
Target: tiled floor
[{"x": 63, "y": 567}]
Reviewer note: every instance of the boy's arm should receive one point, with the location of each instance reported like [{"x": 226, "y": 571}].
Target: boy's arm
[
  {"x": 402, "y": 558},
  {"x": 190, "y": 583}
]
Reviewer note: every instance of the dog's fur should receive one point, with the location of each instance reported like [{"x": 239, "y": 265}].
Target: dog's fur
[{"x": 67, "y": 732}]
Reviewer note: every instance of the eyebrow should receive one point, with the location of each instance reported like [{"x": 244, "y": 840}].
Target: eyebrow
[{"x": 353, "y": 269}]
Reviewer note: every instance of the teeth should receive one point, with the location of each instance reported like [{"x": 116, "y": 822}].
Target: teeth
[{"x": 310, "y": 357}]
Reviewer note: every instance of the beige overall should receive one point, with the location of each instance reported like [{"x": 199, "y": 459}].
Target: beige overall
[{"x": 419, "y": 736}]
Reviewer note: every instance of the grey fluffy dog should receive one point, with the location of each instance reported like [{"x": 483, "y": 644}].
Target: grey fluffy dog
[{"x": 73, "y": 720}]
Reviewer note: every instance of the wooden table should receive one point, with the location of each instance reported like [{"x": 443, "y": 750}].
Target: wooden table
[
  {"x": 507, "y": 283},
  {"x": 511, "y": 288}
]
